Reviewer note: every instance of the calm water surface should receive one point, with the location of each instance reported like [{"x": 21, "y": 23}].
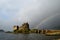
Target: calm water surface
[{"x": 10, "y": 36}]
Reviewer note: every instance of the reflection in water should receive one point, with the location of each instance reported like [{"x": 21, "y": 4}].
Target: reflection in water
[{"x": 8, "y": 36}]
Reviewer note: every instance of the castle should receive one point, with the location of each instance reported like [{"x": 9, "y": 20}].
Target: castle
[
  {"x": 25, "y": 29},
  {"x": 22, "y": 29}
]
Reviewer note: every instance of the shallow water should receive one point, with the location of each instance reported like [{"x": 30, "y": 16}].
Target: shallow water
[{"x": 10, "y": 36}]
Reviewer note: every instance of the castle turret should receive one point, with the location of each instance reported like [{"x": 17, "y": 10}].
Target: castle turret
[{"x": 15, "y": 28}]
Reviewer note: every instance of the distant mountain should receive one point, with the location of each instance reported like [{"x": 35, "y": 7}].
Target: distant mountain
[{"x": 1, "y": 30}]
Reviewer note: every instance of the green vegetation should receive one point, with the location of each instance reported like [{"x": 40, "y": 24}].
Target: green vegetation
[
  {"x": 21, "y": 31},
  {"x": 34, "y": 31}
]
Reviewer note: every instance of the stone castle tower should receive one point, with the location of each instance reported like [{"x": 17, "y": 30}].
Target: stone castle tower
[{"x": 25, "y": 25}]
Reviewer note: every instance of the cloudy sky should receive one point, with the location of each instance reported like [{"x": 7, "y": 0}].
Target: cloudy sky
[{"x": 35, "y": 12}]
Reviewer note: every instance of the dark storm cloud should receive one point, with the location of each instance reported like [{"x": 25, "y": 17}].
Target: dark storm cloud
[{"x": 52, "y": 23}]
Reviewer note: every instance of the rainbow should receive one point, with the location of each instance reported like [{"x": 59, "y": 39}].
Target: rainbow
[{"x": 45, "y": 19}]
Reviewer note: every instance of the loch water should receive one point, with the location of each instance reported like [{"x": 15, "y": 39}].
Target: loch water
[{"x": 11, "y": 36}]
